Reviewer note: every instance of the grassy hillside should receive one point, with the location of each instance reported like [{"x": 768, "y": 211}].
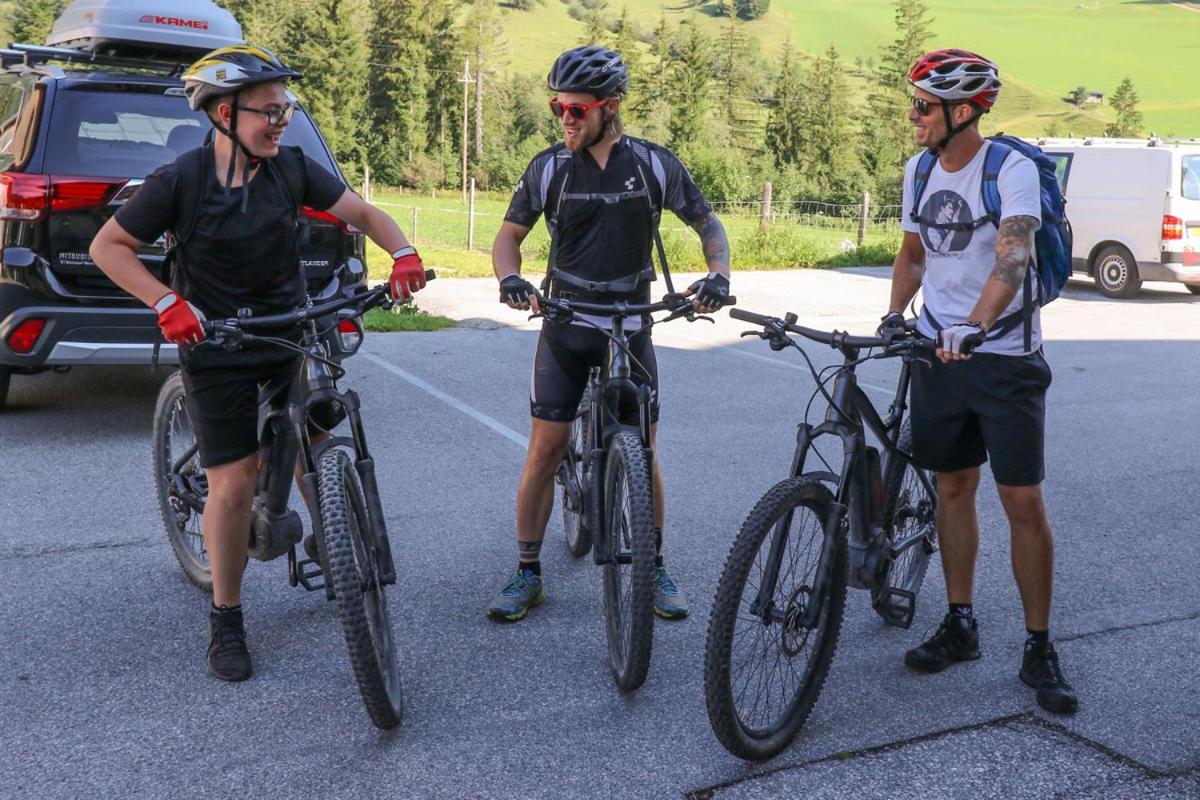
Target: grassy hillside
[{"x": 1045, "y": 48}]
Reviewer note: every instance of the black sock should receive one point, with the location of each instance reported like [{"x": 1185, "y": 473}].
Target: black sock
[
  {"x": 964, "y": 610},
  {"x": 658, "y": 562},
  {"x": 533, "y": 566},
  {"x": 216, "y": 609},
  {"x": 1036, "y": 638}
]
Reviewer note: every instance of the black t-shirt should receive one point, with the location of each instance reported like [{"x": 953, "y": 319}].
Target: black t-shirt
[
  {"x": 599, "y": 219},
  {"x": 235, "y": 260}
]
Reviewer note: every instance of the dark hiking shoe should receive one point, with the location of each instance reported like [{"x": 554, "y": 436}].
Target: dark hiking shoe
[
  {"x": 957, "y": 639},
  {"x": 228, "y": 658},
  {"x": 1040, "y": 670}
]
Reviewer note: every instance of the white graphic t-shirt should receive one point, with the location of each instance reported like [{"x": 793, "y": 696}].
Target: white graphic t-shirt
[{"x": 959, "y": 262}]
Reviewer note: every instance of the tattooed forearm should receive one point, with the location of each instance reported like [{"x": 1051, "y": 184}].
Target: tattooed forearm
[
  {"x": 1014, "y": 243},
  {"x": 713, "y": 240}
]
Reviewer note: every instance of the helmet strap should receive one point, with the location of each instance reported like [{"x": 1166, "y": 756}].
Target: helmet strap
[
  {"x": 599, "y": 137},
  {"x": 251, "y": 160},
  {"x": 951, "y": 129}
]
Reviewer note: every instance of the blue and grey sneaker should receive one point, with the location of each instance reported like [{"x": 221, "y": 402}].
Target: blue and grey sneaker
[
  {"x": 669, "y": 601},
  {"x": 522, "y": 592}
]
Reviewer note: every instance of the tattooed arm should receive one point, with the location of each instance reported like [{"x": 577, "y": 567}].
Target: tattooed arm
[
  {"x": 714, "y": 242},
  {"x": 1014, "y": 245}
]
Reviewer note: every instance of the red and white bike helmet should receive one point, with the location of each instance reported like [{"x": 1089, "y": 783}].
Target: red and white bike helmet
[{"x": 957, "y": 75}]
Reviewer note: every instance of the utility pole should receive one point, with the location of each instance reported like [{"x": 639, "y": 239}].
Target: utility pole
[
  {"x": 466, "y": 81},
  {"x": 479, "y": 102}
]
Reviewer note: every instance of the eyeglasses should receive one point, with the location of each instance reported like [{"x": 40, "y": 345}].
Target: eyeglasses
[
  {"x": 275, "y": 116},
  {"x": 922, "y": 106},
  {"x": 576, "y": 110}
]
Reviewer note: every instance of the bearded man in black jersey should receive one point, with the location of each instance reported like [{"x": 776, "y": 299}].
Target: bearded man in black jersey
[{"x": 601, "y": 193}]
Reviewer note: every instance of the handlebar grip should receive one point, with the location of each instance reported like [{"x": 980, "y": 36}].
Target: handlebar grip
[
  {"x": 430, "y": 274},
  {"x": 731, "y": 300},
  {"x": 748, "y": 316}
]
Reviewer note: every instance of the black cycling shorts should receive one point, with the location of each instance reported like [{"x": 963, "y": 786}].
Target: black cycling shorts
[
  {"x": 987, "y": 407},
  {"x": 565, "y": 355}
]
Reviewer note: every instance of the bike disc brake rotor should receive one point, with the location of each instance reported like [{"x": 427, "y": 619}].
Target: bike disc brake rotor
[{"x": 794, "y": 634}]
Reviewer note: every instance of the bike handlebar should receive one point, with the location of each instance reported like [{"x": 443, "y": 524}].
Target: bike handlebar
[
  {"x": 835, "y": 339},
  {"x": 365, "y": 300},
  {"x": 671, "y": 302}
]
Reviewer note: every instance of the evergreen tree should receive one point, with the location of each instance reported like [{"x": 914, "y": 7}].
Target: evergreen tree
[
  {"x": 30, "y": 20},
  {"x": 689, "y": 85},
  {"x": 1129, "y": 120},
  {"x": 828, "y": 144},
  {"x": 649, "y": 98},
  {"x": 751, "y": 9},
  {"x": 784, "y": 125},
  {"x": 625, "y": 42},
  {"x": 595, "y": 26},
  {"x": 737, "y": 78},
  {"x": 886, "y": 132}
]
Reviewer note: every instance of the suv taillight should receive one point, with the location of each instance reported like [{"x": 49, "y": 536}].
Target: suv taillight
[
  {"x": 27, "y": 197},
  {"x": 1172, "y": 227},
  {"x": 25, "y": 336},
  {"x": 23, "y": 197},
  {"x": 350, "y": 335}
]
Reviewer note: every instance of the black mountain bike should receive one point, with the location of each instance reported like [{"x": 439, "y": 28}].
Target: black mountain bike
[
  {"x": 339, "y": 481},
  {"x": 871, "y": 524},
  {"x": 607, "y": 485}
]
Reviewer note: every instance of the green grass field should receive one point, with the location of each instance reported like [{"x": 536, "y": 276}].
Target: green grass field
[{"x": 1045, "y": 48}]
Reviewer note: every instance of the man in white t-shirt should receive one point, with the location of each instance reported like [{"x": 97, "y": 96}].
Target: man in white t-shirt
[{"x": 983, "y": 398}]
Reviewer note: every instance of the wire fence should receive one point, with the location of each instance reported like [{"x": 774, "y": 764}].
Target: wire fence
[{"x": 447, "y": 223}]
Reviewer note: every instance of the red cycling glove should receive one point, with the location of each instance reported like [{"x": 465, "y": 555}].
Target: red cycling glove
[
  {"x": 179, "y": 320},
  {"x": 408, "y": 273}
]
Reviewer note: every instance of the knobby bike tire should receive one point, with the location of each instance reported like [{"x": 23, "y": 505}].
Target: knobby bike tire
[
  {"x": 575, "y": 522},
  {"x": 908, "y": 510},
  {"x": 173, "y": 433},
  {"x": 629, "y": 588},
  {"x": 352, "y": 570},
  {"x": 795, "y": 498}
]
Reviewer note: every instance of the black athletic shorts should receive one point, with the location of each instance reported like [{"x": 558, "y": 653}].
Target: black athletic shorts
[
  {"x": 565, "y": 355},
  {"x": 987, "y": 407}
]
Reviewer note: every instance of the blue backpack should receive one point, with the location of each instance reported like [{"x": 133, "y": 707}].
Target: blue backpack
[{"x": 1052, "y": 242}]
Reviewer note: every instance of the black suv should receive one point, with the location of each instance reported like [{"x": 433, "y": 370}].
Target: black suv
[{"x": 75, "y": 143}]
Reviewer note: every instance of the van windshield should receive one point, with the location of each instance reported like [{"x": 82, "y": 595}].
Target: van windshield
[{"x": 1191, "y": 177}]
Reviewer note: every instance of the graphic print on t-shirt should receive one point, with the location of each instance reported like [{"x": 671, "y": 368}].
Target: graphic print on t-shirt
[{"x": 946, "y": 207}]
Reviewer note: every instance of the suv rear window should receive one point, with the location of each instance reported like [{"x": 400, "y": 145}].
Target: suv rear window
[{"x": 131, "y": 133}]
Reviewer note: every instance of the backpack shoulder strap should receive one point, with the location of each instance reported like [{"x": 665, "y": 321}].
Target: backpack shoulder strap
[
  {"x": 993, "y": 162},
  {"x": 920, "y": 180},
  {"x": 188, "y": 190},
  {"x": 654, "y": 166}
]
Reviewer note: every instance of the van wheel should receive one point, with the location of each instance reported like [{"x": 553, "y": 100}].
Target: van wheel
[
  {"x": 1116, "y": 273},
  {"x": 5, "y": 381}
]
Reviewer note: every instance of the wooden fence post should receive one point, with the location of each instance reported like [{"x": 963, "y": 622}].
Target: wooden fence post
[
  {"x": 471, "y": 219},
  {"x": 864, "y": 215},
  {"x": 366, "y": 189},
  {"x": 412, "y": 238},
  {"x": 766, "y": 204}
]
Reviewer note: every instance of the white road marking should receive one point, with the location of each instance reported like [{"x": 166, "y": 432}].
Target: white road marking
[{"x": 458, "y": 405}]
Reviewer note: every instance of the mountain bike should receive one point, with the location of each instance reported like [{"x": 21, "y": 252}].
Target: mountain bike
[
  {"x": 354, "y": 561},
  {"x": 606, "y": 480},
  {"x": 870, "y": 524}
]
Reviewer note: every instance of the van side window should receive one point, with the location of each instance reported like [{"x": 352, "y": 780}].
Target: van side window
[
  {"x": 1191, "y": 178},
  {"x": 1062, "y": 169}
]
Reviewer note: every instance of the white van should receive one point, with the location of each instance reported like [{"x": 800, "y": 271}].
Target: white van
[{"x": 1134, "y": 206}]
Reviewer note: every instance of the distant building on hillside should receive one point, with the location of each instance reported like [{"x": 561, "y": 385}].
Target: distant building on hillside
[{"x": 1094, "y": 97}]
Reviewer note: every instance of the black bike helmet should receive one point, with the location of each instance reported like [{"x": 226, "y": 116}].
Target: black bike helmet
[{"x": 589, "y": 70}]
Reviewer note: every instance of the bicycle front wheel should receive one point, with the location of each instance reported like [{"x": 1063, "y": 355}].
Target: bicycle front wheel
[
  {"x": 910, "y": 517},
  {"x": 353, "y": 569},
  {"x": 575, "y": 522},
  {"x": 768, "y": 653},
  {"x": 629, "y": 574},
  {"x": 180, "y": 482}
]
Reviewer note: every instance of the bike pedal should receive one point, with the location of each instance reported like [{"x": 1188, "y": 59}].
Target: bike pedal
[
  {"x": 310, "y": 575},
  {"x": 897, "y": 607}
]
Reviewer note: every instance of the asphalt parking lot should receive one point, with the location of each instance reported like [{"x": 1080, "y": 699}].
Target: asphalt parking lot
[{"x": 102, "y": 680}]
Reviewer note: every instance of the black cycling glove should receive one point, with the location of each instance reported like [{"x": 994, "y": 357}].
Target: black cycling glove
[
  {"x": 515, "y": 290},
  {"x": 712, "y": 291},
  {"x": 892, "y": 326}
]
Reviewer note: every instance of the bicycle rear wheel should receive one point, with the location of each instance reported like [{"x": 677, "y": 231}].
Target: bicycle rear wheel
[
  {"x": 575, "y": 523},
  {"x": 629, "y": 575},
  {"x": 763, "y": 669},
  {"x": 181, "y": 490},
  {"x": 353, "y": 569},
  {"x": 910, "y": 518}
]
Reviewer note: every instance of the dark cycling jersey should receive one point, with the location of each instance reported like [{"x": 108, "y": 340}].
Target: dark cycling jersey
[
  {"x": 235, "y": 260},
  {"x": 601, "y": 221}
]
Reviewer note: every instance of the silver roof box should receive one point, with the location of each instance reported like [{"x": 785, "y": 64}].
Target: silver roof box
[{"x": 155, "y": 29}]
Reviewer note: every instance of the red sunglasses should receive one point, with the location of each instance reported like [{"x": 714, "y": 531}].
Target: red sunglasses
[{"x": 576, "y": 110}]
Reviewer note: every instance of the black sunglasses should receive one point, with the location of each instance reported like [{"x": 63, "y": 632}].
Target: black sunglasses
[
  {"x": 922, "y": 105},
  {"x": 275, "y": 116}
]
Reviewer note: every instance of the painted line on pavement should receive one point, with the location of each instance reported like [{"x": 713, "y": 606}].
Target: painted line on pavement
[{"x": 474, "y": 413}]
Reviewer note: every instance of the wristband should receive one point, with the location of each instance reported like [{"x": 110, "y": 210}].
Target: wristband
[{"x": 408, "y": 250}]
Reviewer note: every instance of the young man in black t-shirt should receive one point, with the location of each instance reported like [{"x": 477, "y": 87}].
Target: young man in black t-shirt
[
  {"x": 240, "y": 252},
  {"x": 601, "y": 193}
]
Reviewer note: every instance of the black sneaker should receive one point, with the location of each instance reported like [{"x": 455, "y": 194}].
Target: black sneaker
[
  {"x": 228, "y": 658},
  {"x": 1040, "y": 671},
  {"x": 957, "y": 639}
]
